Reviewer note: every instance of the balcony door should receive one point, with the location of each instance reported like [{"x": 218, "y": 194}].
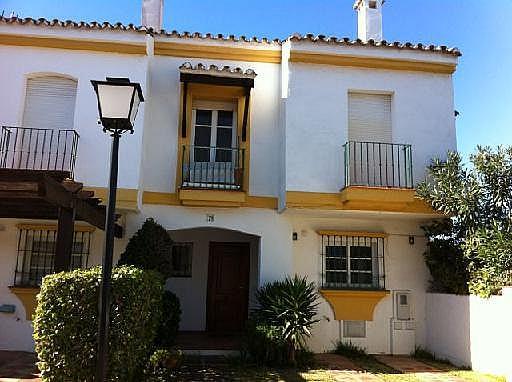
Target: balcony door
[
  {"x": 214, "y": 154},
  {"x": 44, "y": 140},
  {"x": 369, "y": 154}
]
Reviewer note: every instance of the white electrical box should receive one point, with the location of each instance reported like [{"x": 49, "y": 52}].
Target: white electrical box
[
  {"x": 403, "y": 327},
  {"x": 403, "y": 306}
]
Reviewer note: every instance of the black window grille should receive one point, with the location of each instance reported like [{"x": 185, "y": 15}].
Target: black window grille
[
  {"x": 36, "y": 254},
  {"x": 352, "y": 262},
  {"x": 182, "y": 260}
]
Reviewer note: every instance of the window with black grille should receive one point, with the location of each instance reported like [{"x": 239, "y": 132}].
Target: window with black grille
[
  {"x": 182, "y": 260},
  {"x": 352, "y": 262},
  {"x": 36, "y": 253}
]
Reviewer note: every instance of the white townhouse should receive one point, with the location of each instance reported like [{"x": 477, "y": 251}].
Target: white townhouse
[{"x": 261, "y": 158}]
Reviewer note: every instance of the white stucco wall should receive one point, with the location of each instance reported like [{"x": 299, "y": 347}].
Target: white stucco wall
[
  {"x": 93, "y": 156},
  {"x": 404, "y": 266},
  {"x": 162, "y": 124},
  {"x": 422, "y": 115},
  {"x": 15, "y": 330},
  {"x": 275, "y": 260},
  {"x": 471, "y": 331},
  {"x": 192, "y": 291}
]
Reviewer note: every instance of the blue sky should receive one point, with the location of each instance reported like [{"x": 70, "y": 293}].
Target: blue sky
[{"x": 481, "y": 29}]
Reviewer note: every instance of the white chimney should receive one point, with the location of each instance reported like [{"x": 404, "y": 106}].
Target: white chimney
[
  {"x": 369, "y": 19},
  {"x": 152, "y": 13}
]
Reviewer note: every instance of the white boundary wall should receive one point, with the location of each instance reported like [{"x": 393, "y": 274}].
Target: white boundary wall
[{"x": 472, "y": 331}]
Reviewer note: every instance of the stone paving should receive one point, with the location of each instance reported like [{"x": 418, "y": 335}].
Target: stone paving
[
  {"x": 344, "y": 370},
  {"x": 18, "y": 367},
  {"x": 419, "y": 369}
]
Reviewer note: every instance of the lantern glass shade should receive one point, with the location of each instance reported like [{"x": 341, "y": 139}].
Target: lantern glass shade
[{"x": 118, "y": 102}]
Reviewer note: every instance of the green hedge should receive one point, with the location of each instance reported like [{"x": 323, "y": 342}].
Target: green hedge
[{"x": 66, "y": 323}]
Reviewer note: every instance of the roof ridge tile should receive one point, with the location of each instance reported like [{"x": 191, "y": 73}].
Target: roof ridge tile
[{"x": 209, "y": 36}]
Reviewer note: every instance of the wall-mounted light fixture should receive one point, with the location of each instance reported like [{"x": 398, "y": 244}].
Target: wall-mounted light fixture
[
  {"x": 411, "y": 240},
  {"x": 295, "y": 236}
]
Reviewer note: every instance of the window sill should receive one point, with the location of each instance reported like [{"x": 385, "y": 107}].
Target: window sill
[
  {"x": 27, "y": 296},
  {"x": 352, "y": 304},
  {"x": 212, "y": 198}
]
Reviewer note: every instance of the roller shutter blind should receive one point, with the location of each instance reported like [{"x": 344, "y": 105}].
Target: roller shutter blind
[
  {"x": 50, "y": 103},
  {"x": 369, "y": 118}
]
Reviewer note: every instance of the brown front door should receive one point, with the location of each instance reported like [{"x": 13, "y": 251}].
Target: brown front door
[{"x": 228, "y": 287}]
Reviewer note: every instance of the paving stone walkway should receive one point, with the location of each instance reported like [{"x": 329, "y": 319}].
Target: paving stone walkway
[
  {"x": 344, "y": 370},
  {"x": 420, "y": 370},
  {"x": 18, "y": 367}
]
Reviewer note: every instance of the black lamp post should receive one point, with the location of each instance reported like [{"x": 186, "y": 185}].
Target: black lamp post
[{"x": 118, "y": 103}]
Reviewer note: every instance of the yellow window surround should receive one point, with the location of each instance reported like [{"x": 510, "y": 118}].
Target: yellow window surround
[
  {"x": 28, "y": 297},
  {"x": 238, "y": 96},
  {"x": 353, "y": 304}
]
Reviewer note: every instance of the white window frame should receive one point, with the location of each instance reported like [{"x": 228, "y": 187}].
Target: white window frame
[
  {"x": 214, "y": 107},
  {"x": 346, "y": 328}
]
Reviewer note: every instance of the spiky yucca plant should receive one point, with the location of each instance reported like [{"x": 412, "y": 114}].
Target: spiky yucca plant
[{"x": 290, "y": 306}]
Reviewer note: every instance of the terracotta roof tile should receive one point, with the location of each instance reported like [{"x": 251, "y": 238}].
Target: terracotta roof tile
[
  {"x": 382, "y": 44},
  {"x": 71, "y": 24},
  {"x": 225, "y": 71},
  {"x": 220, "y": 37}
]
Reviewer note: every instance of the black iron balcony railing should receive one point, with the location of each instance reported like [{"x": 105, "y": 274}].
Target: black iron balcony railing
[
  {"x": 38, "y": 149},
  {"x": 376, "y": 164},
  {"x": 216, "y": 168}
]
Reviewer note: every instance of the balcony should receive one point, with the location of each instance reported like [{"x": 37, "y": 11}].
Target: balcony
[
  {"x": 376, "y": 164},
  {"x": 212, "y": 176},
  {"x": 24, "y": 148},
  {"x": 212, "y": 168}
]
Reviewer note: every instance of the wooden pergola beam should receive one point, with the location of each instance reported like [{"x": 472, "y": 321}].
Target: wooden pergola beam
[{"x": 33, "y": 194}]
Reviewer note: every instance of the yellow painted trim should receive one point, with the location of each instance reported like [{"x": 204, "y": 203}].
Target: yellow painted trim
[
  {"x": 261, "y": 202},
  {"x": 175, "y": 49},
  {"x": 212, "y": 198},
  {"x": 372, "y": 62},
  {"x": 161, "y": 198},
  {"x": 214, "y": 93},
  {"x": 392, "y": 195},
  {"x": 361, "y": 199},
  {"x": 353, "y": 234},
  {"x": 53, "y": 227},
  {"x": 353, "y": 304},
  {"x": 172, "y": 199},
  {"x": 28, "y": 297},
  {"x": 73, "y": 44},
  {"x": 126, "y": 197}
]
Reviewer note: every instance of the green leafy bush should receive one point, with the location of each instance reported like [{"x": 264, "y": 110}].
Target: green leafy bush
[
  {"x": 286, "y": 313},
  {"x": 149, "y": 248},
  {"x": 349, "y": 350},
  {"x": 66, "y": 323},
  {"x": 445, "y": 260},
  {"x": 170, "y": 322},
  {"x": 162, "y": 365},
  {"x": 478, "y": 200}
]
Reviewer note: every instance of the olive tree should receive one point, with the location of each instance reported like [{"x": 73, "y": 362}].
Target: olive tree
[{"x": 477, "y": 198}]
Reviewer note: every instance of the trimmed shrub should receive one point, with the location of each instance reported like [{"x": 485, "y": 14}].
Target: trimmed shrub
[
  {"x": 170, "y": 322},
  {"x": 66, "y": 323},
  {"x": 149, "y": 248}
]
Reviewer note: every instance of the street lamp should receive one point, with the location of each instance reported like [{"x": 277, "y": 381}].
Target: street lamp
[{"x": 118, "y": 103}]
